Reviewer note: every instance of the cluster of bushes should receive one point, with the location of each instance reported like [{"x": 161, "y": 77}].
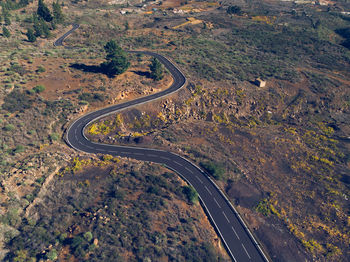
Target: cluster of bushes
[
  {"x": 5, "y": 16},
  {"x": 261, "y": 50},
  {"x": 44, "y": 21},
  {"x": 91, "y": 97},
  {"x": 17, "y": 101},
  {"x": 123, "y": 223}
]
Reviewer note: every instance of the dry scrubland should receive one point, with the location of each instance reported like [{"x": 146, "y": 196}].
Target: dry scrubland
[{"x": 281, "y": 152}]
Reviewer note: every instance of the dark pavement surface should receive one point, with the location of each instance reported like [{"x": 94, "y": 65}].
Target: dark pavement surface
[{"x": 232, "y": 230}]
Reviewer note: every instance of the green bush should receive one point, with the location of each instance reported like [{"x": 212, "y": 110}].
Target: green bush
[
  {"x": 190, "y": 193},
  {"x": 9, "y": 127},
  {"x": 30, "y": 35},
  {"x": 19, "y": 149},
  {"x": 38, "y": 89},
  {"x": 54, "y": 137},
  {"x": 215, "y": 170},
  {"x": 52, "y": 255},
  {"x": 6, "y": 32},
  {"x": 88, "y": 236},
  {"x": 40, "y": 69},
  {"x": 91, "y": 97}
]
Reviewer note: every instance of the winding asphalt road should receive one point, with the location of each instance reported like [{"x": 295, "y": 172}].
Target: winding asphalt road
[{"x": 237, "y": 238}]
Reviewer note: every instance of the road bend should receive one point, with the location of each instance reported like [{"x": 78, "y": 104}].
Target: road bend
[{"x": 235, "y": 235}]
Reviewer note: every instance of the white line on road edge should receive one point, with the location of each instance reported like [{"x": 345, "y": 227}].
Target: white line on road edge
[
  {"x": 147, "y": 101},
  {"x": 210, "y": 216},
  {"x": 217, "y": 202},
  {"x": 208, "y": 190},
  {"x": 225, "y": 216},
  {"x": 235, "y": 232},
  {"x": 246, "y": 251}
]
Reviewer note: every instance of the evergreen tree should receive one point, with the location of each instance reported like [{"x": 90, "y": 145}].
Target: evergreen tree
[
  {"x": 5, "y": 32},
  {"x": 234, "y": 9},
  {"x": 43, "y": 11},
  {"x": 30, "y": 35},
  {"x": 6, "y": 15},
  {"x": 45, "y": 29},
  {"x": 38, "y": 31},
  {"x": 117, "y": 61},
  {"x": 156, "y": 69},
  {"x": 57, "y": 12},
  {"x": 40, "y": 27},
  {"x": 112, "y": 49}
]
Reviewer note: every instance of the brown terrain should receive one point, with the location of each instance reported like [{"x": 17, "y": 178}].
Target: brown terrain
[{"x": 284, "y": 147}]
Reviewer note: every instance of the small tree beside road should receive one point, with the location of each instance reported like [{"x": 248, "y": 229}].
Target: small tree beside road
[
  {"x": 117, "y": 61},
  {"x": 157, "y": 71}
]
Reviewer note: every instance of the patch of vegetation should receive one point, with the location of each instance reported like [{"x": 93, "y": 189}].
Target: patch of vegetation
[
  {"x": 117, "y": 62},
  {"x": 156, "y": 69},
  {"x": 122, "y": 221},
  {"x": 191, "y": 194},
  {"x": 17, "y": 101},
  {"x": 214, "y": 169},
  {"x": 38, "y": 89},
  {"x": 92, "y": 97}
]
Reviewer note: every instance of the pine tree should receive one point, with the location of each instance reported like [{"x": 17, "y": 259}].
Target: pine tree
[
  {"x": 38, "y": 30},
  {"x": 40, "y": 27},
  {"x": 57, "y": 12},
  {"x": 45, "y": 29},
  {"x": 156, "y": 69},
  {"x": 43, "y": 11},
  {"x": 117, "y": 61},
  {"x": 5, "y": 32},
  {"x": 30, "y": 35},
  {"x": 6, "y": 15}
]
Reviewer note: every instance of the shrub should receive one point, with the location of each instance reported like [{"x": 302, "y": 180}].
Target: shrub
[
  {"x": 9, "y": 127},
  {"x": 38, "y": 89},
  {"x": 91, "y": 97},
  {"x": 19, "y": 149},
  {"x": 30, "y": 35},
  {"x": 54, "y": 137},
  {"x": 52, "y": 255},
  {"x": 190, "y": 194},
  {"x": 40, "y": 69},
  {"x": 88, "y": 236},
  {"x": 6, "y": 32},
  {"x": 215, "y": 170}
]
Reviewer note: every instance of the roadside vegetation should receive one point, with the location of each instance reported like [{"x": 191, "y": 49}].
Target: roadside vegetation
[
  {"x": 141, "y": 211},
  {"x": 279, "y": 152}
]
